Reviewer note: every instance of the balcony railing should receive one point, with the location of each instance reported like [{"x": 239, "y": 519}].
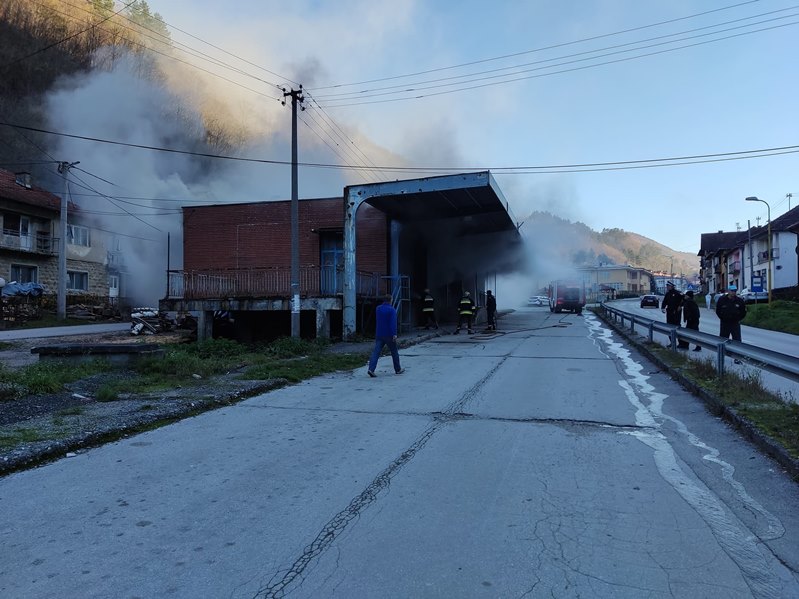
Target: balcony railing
[
  {"x": 37, "y": 243},
  {"x": 262, "y": 283}
]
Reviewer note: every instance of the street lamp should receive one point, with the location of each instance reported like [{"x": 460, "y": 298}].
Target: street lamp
[{"x": 768, "y": 278}]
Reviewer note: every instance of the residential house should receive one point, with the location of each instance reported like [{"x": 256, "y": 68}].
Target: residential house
[
  {"x": 29, "y": 244},
  {"x": 612, "y": 280},
  {"x": 741, "y": 258}
]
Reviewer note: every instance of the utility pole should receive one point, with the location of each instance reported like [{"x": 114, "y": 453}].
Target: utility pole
[
  {"x": 61, "y": 306},
  {"x": 296, "y": 97}
]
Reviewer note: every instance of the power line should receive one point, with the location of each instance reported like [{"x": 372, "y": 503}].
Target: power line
[
  {"x": 190, "y": 64},
  {"x": 474, "y": 75},
  {"x": 110, "y": 199},
  {"x": 552, "y": 47},
  {"x": 171, "y": 44},
  {"x": 581, "y": 68},
  {"x": 69, "y": 37},
  {"x": 640, "y": 163}
]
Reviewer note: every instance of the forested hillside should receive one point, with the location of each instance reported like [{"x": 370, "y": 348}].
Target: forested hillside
[
  {"x": 44, "y": 42},
  {"x": 580, "y": 245}
]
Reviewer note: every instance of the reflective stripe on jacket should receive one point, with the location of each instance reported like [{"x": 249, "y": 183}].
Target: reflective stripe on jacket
[
  {"x": 466, "y": 306},
  {"x": 428, "y": 304}
]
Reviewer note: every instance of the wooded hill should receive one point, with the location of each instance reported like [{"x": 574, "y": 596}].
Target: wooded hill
[
  {"x": 579, "y": 245},
  {"x": 42, "y": 42}
]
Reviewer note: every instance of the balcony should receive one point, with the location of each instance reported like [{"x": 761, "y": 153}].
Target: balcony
[
  {"x": 38, "y": 243},
  {"x": 734, "y": 267}
]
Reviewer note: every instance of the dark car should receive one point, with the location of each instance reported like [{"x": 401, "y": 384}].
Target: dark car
[{"x": 649, "y": 300}]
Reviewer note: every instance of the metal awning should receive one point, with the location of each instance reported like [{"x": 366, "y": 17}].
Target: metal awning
[{"x": 472, "y": 198}]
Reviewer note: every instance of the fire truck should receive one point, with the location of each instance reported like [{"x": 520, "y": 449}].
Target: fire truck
[{"x": 566, "y": 295}]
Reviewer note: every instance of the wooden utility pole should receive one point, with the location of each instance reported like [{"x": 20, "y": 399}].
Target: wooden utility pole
[
  {"x": 61, "y": 299},
  {"x": 296, "y": 98}
]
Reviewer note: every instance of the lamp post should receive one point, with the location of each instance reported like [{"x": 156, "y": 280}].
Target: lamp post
[
  {"x": 768, "y": 278},
  {"x": 671, "y": 269}
]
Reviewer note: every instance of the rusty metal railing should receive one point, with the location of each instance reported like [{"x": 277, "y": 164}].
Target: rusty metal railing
[{"x": 262, "y": 282}]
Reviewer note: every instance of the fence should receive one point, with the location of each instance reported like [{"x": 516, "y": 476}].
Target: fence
[
  {"x": 261, "y": 282},
  {"x": 776, "y": 362}
]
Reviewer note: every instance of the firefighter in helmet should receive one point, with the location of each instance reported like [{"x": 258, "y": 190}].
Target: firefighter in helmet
[
  {"x": 466, "y": 311},
  {"x": 429, "y": 310}
]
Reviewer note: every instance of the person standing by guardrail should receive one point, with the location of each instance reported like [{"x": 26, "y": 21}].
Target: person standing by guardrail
[
  {"x": 731, "y": 310},
  {"x": 672, "y": 306},
  {"x": 690, "y": 312}
]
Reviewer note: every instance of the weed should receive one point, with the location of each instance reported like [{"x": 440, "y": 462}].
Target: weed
[
  {"x": 780, "y": 315},
  {"x": 294, "y": 370},
  {"x": 20, "y": 435},
  {"x": 74, "y": 411},
  {"x": 51, "y": 376},
  {"x": 107, "y": 392}
]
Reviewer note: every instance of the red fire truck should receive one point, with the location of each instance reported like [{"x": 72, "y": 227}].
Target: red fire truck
[{"x": 566, "y": 295}]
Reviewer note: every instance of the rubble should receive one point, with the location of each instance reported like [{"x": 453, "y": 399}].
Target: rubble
[{"x": 149, "y": 321}]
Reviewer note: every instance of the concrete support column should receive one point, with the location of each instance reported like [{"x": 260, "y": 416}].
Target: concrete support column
[
  {"x": 393, "y": 249},
  {"x": 352, "y": 201},
  {"x": 322, "y": 323},
  {"x": 205, "y": 325}
]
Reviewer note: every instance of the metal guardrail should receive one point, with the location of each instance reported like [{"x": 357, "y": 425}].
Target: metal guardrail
[{"x": 776, "y": 362}]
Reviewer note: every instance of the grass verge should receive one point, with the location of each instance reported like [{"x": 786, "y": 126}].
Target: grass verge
[
  {"x": 780, "y": 315},
  {"x": 771, "y": 413}
]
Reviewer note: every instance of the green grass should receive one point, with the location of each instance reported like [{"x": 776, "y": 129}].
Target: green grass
[
  {"x": 48, "y": 376},
  {"x": 19, "y": 436},
  {"x": 771, "y": 413},
  {"x": 780, "y": 315}
]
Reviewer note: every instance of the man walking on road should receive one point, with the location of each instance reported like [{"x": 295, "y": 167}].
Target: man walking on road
[
  {"x": 385, "y": 334},
  {"x": 731, "y": 310}
]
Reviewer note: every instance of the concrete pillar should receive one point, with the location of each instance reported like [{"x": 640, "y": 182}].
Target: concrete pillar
[
  {"x": 352, "y": 201},
  {"x": 322, "y": 322},
  {"x": 205, "y": 325}
]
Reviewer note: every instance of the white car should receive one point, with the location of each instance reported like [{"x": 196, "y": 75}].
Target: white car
[
  {"x": 753, "y": 296},
  {"x": 538, "y": 300}
]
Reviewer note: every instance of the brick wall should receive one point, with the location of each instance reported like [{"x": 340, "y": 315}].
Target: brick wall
[{"x": 259, "y": 235}]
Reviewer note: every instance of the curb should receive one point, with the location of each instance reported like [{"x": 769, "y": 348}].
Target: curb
[{"x": 715, "y": 406}]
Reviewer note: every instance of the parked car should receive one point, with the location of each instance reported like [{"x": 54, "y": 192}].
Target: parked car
[
  {"x": 650, "y": 300},
  {"x": 538, "y": 300},
  {"x": 753, "y": 296}
]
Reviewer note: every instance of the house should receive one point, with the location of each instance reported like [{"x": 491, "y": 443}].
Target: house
[
  {"x": 614, "y": 280},
  {"x": 447, "y": 234},
  {"x": 29, "y": 244},
  {"x": 741, "y": 258}
]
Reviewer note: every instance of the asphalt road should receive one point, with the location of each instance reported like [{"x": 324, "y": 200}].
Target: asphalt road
[
  {"x": 544, "y": 461},
  {"x": 709, "y": 323},
  {"x": 79, "y": 329}
]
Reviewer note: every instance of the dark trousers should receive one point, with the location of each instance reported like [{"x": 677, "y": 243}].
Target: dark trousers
[
  {"x": 694, "y": 326},
  {"x": 467, "y": 318},
  {"x": 491, "y": 315},
  {"x": 392, "y": 346},
  {"x": 430, "y": 320},
  {"x": 674, "y": 317},
  {"x": 729, "y": 328}
]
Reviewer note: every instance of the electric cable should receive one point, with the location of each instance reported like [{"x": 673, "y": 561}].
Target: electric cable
[{"x": 552, "y": 47}]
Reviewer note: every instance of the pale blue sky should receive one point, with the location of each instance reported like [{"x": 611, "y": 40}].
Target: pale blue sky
[{"x": 733, "y": 95}]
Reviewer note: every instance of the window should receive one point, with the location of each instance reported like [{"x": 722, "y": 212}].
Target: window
[
  {"x": 78, "y": 235},
  {"x": 22, "y": 273},
  {"x": 78, "y": 280},
  {"x": 11, "y": 224}
]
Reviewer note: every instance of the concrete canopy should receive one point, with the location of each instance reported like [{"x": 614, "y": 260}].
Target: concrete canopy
[
  {"x": 462, "y": 208},
  {"x": 475, "y": 198}
]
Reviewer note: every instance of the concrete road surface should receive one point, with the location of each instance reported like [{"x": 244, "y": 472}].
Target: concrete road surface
[
  {"x": 547, "y": 460},
  {"x": 78, "y": 329}
]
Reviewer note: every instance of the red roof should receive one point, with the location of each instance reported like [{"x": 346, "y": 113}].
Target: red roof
[{"x": 36, "y": 196}]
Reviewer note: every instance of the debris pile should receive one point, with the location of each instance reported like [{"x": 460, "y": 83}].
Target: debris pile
[{"x": 149, "y": 321}]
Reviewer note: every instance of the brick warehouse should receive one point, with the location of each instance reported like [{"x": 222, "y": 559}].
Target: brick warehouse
[{"x": 446, "y": 233}]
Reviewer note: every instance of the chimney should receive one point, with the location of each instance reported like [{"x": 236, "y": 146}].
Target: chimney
[{"x": 23, "y": 179}]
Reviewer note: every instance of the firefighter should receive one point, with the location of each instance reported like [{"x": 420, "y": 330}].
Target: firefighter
[
  {"x": 491, "y": 311},
  {"x": 429, "y": 310},
  {"x": 465, "y": 312}
]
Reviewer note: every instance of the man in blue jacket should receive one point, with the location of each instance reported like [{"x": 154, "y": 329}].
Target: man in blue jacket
[{"x": 385, "y": 334}]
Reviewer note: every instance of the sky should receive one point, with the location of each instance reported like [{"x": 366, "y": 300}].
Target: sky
[{"x": 463, "y": 85}]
